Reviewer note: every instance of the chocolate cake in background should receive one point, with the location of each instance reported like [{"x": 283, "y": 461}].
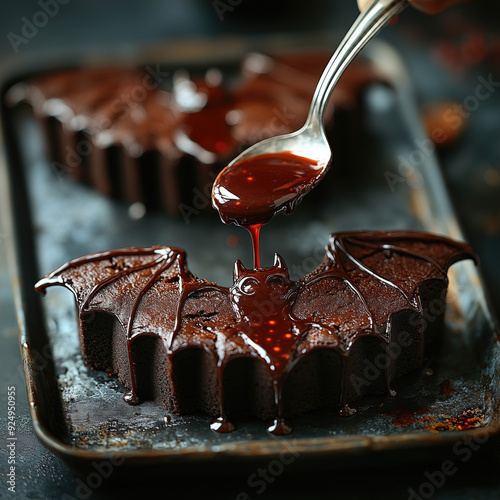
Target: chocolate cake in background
[
  {"x": 151, "y": 136},
  {"x": 266, "y": 346}
]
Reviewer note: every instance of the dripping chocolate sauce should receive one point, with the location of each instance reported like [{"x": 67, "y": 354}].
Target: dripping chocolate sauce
[{"x": 251, "y": 192}]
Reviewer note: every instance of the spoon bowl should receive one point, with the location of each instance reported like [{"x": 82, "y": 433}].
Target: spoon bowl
[
  {"x": 308, "y": 142},
  {"x": 242, "y": 203}
]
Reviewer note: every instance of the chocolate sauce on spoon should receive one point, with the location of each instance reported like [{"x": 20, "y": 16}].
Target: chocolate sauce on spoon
[{"x": 251, "y": 192}]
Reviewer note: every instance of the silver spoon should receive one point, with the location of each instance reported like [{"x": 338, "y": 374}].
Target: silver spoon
[{"x": 310, "y": 141}]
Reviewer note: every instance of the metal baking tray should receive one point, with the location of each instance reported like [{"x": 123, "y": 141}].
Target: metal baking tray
[{"x": 394, "y": 183}]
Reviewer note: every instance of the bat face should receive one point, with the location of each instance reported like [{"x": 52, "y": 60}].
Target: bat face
[{"x": 266, "y": 290}]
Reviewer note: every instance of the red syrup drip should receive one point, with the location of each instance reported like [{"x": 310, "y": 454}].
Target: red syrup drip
[
  {"x": 251, "y": 192},
  {"x": 254, "y": 231},
  {"x": 221, "y": 424}
]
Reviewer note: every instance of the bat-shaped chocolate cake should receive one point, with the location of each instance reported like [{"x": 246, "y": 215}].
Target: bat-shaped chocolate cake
[{"x": 266, "y": 345}]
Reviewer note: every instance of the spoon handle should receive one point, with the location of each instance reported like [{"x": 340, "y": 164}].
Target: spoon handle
[{"x": 366, "y": 26}]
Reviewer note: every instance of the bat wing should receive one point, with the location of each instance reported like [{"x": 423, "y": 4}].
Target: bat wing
[
  {"x": 145, "y": 289},
  {"x": 367, "y": 276}
]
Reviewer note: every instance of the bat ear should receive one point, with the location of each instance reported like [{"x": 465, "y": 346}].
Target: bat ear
[
  {"x": 280, "y": 263},
  {"x": 239, "y": 270}
]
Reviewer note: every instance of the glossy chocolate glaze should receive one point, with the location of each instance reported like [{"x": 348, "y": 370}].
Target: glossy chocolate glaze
[{"x": 365, "y": 279}]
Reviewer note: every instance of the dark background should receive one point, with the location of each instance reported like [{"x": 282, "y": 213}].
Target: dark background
[{"x": 446, "y": 54}]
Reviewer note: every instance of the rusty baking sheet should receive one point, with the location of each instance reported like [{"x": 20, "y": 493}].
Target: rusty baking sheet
[{"x": 80, "y": 414}]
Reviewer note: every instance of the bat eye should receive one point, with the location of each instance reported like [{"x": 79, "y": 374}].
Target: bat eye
[
  {"x": 277, "y": 282},
  {"x": 248, "y": 286}
]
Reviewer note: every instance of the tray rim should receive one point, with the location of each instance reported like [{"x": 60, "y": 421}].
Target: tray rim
[{"x": 388, "y": 64}]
